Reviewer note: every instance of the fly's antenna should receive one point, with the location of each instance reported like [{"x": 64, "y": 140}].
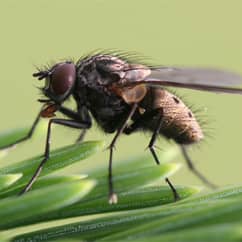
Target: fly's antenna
[{"x": 41, "y": 74}]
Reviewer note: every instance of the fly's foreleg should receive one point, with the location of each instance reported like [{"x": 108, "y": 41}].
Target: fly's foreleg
[
  {"x": 28, "y": 136},
  {"x": 64, "y": 122},
  {"x": 80, "y": 116}
]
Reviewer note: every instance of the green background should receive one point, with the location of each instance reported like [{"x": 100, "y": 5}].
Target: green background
[{"x": 188, "y": 32}]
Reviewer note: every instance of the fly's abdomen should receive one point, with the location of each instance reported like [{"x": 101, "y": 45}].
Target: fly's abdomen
[{"x": 178, "y": 122}]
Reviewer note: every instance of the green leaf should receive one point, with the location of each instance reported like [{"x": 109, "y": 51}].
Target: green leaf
[
  {"x": 221, "y": 193},
  {"x": 206, "y": 213},
  {"x": 154, "y": 221},
  {"x": 55, "y": 180},
  {"x": 3, "y": 153},
  {"x": 133, "y": 173},
  {"x": 100, "y": 227},
  {"x": 133, "y": 181},
  {"x": 3, "y": 238},
  {"x": 59, "y": 158},
  {"x": 11, "y": 136},
  {"x": 126, "y": 178},
  {"x": 97, "y": 200},
  {"x": 134, "y": 199},
  {"x": 136, "y": 162},
  {"x": 14, "y": 210},
  {"x": 8, "y": 180},
  {"x": 45, "y": 182},
  {"x": 219, "y": 232}
]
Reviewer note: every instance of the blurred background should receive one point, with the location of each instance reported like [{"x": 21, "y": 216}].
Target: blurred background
[{"x": 169, "y": 32}]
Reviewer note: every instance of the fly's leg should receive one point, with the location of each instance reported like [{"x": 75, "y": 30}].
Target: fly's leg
[
  {"x": 79, "y": 116},
  {"x": 153, "y": 139},
  {"x": 64, "y": 122},
  {"x": 81, "y": 136},
  {"x": 194, "y": 170},
  {"x": 28, "y": 136},
  {"x": 152, "y": 150},
  {"x": 138, "y": 124},
  {"x": 112, "y": 196}
]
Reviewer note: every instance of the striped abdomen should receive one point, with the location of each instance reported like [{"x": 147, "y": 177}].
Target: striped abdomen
[{"x": 178, "y": 122}]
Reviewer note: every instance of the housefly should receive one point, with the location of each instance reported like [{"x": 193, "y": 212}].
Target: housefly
[{"x": 124, "y": 97}]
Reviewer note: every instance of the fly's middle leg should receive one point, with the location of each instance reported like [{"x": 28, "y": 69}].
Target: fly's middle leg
[{"x": 113, "y": 198}]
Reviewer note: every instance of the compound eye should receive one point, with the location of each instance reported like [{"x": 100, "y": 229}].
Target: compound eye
[{"x": 63, "y": 78}]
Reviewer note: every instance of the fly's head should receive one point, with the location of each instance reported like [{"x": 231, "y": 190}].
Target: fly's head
[{"x": 59, "y": 81}]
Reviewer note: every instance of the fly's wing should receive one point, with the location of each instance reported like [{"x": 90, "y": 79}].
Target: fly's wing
[
  {"x": 208, "y": 76},
  {"x": 204, "y": 79}
]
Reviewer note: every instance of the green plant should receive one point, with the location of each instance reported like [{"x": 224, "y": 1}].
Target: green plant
[{"x": 74, "y": 207}]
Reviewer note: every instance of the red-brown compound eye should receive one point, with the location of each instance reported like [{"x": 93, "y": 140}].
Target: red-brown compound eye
[{"x": 63, "y": 78}]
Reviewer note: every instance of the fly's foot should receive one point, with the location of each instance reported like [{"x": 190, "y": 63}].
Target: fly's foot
[
  {"x": 176, "y": 196},
  {"x": 113, "y": 198}
]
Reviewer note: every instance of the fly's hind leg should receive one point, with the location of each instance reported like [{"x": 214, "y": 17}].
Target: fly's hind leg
[
  {"x": 138, "y": 124},
  {"x": 194, "y": 170},
  {"x": 152, "y": 150}
]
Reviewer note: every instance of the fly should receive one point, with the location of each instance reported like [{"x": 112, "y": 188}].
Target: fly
[{"x": 113, "y": 90}]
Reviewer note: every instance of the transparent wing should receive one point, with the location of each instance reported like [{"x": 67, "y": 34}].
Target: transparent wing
[
  {"x": 194, "y": 86},
  {"x": 204, "y": 79},
  {"x": 206, "y": 76}
]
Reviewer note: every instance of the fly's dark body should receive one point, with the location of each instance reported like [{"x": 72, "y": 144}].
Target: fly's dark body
[
  {"x": 178, "y": 121},
  {"x": 115, "y": 91},
  {"x": 110, "y": 110}
]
